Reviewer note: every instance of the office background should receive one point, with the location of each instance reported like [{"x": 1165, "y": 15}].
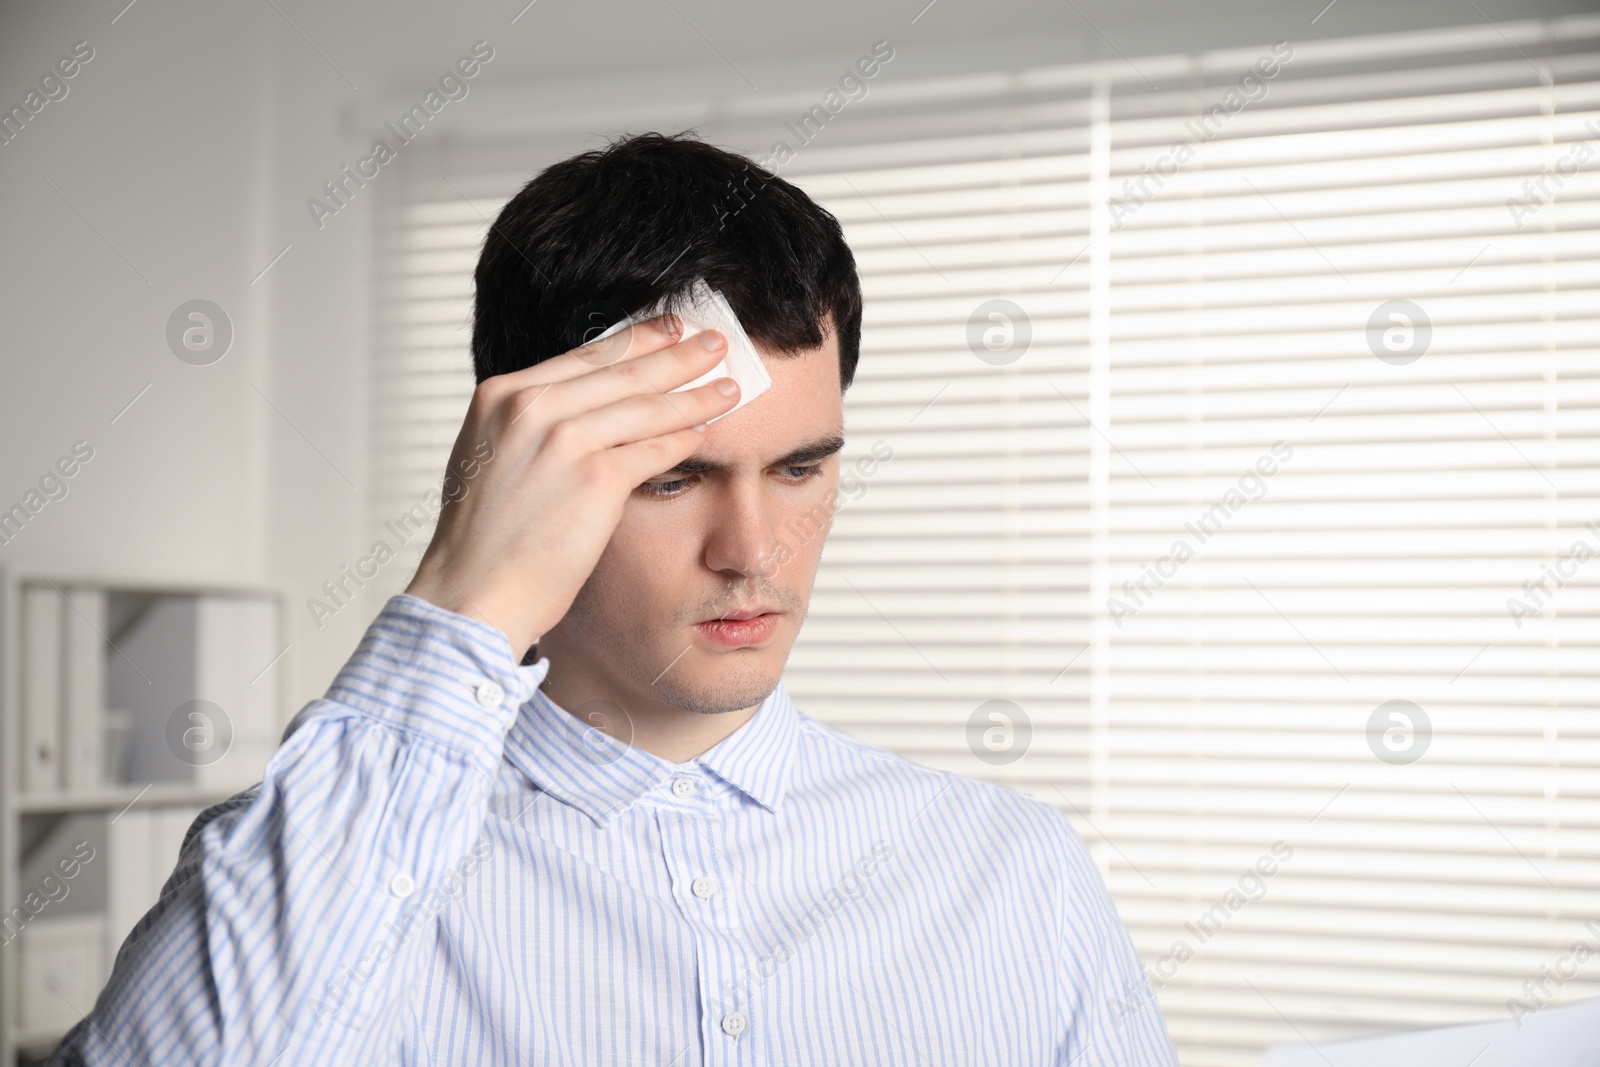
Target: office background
[{"x": 1234, "y": 365}]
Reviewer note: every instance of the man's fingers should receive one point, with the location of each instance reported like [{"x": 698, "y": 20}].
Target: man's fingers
[
  {"x": 640, "y": 416},
  {"x": 660, "y": 372},
  {"x": 640, "y": 339},
  {"x": 641, "y": 460}
]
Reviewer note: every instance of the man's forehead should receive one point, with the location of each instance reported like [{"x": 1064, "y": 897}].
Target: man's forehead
[{"x": 800, "y": 420}]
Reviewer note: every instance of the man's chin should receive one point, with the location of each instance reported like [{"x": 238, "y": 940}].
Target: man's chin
[{"x": 716, "y": 683}]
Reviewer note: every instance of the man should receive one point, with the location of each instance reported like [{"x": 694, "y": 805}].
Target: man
[{"x": 558, "y": 807}]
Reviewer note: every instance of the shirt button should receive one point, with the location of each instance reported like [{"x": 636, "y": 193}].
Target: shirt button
[
  {"x": 682, "y": 787},
  {"x": 490, "y": 695},
  {"x": 733, "y": 1023},
  {"x": 704, "y": 887},
  {"x": 402, "y": 886}
]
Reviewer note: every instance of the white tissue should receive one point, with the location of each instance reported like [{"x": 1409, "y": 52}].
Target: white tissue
[{"x": 709, "y": 310}]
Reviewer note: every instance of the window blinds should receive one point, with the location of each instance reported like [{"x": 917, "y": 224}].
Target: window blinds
[{"x": 1242, "y": 486}]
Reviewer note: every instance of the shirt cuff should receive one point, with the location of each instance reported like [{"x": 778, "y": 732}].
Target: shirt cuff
[{"x": 440, "y": 674}]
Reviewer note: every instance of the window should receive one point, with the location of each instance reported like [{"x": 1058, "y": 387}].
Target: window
[{"x": 1243, "y": 418}]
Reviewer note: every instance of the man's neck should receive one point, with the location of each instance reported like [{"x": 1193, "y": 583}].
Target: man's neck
[{"x": 674, "y": 734}]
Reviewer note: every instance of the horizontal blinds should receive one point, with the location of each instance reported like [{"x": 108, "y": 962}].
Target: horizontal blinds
[
  {"x": 1201, "y": 660},
  {"x": 1414, "y": 489}
]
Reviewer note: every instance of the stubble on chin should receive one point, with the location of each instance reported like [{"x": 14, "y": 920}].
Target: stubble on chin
[{"x": 663, "y": 662}]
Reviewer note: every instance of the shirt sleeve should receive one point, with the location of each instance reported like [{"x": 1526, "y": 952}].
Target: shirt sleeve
[
  {"x": 296, "y": 919},
  {"x": 1111, "y": 1017}
]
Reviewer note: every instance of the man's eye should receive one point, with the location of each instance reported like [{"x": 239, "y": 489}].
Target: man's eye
[
  {"x": 663, "y": 488},
  {"x": 676, "y": 485}
]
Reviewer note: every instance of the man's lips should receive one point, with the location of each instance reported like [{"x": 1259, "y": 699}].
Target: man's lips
[
  {"x": 739, "y": 628},
  {"x": 748, "y": 613}
]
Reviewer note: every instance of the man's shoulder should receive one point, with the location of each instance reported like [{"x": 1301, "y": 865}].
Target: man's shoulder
[{"x": 986, "y": 811}]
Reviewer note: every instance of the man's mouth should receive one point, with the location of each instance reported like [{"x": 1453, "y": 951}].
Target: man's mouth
[
  {"x": 738, "y": 629},
  {"x": 748, "y": 613}
]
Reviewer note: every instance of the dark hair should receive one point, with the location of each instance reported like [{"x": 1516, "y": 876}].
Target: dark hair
[{"x": 607, "y": 233}]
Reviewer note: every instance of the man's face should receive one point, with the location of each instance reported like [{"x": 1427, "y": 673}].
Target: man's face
[{"x": 701, "y": 544}]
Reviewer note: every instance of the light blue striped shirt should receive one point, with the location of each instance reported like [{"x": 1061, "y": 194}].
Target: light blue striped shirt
[{"x": 440, "y": 866}]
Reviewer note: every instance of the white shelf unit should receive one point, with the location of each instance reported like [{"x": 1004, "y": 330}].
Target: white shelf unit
[{"x": 177, "y": 784}]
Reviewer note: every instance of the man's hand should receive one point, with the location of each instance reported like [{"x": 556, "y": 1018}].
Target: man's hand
[{"x": 572, "y": 437}]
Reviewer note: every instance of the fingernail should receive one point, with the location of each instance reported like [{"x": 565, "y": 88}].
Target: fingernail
[
  {"x": 709, "y": 339},
  {"x": 700, "y": 426},
  {"x": 727, "y": 386}
]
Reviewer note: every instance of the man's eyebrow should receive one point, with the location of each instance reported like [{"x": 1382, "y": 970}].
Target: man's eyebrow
[{"x": 807, "y": 453}]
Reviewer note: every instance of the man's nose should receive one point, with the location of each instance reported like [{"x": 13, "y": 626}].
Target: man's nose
[{"x": 743, "y": 536}]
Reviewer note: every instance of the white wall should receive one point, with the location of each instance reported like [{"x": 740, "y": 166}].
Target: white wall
[
  {"x": 191, "y": 142},
  {"x": 158, "y": 144}
]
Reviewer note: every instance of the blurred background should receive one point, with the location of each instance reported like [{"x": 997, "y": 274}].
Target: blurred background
[{"x": 1223, "y": 466}]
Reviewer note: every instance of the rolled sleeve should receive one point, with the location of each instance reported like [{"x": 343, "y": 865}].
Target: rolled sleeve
[{"x": 430, "y": 671}]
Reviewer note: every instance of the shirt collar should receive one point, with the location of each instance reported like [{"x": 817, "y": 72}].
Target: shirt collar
[{"x": 576, "y": 763}]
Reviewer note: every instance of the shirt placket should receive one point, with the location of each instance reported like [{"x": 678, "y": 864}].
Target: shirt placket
[{"x": 707, "y": 888}]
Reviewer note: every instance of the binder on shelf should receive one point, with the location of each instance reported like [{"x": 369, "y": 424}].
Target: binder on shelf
[
  {"x": 117, "y": 685},
  {"x": 118, "y": 729},
  {"x": 238, "y": 639},
  {"x": 128, "y": 860},
  {"x": 207, "y": 716},
  {"x": 142, "y": 849},
  {"x": 84, "y": 689},
  {"x": 41, "y": 690}
]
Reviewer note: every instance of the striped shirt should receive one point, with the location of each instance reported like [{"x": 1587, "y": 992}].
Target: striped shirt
[{"x": 441, "y": 866}]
